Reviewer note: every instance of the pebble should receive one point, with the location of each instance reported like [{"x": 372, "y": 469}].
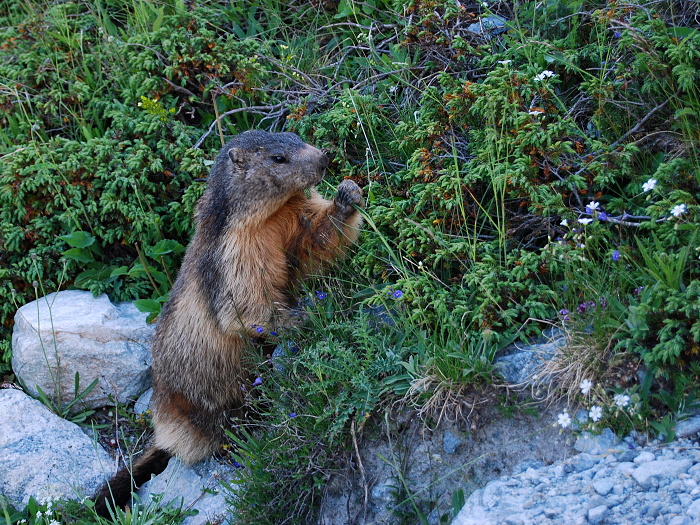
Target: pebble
[{"x": 631, "y": 482}]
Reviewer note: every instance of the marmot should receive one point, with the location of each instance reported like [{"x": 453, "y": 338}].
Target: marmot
[{"x": 257, "y": 233}]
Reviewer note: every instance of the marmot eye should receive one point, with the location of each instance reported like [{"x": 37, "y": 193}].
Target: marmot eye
[{"x": 278, "y": 159}]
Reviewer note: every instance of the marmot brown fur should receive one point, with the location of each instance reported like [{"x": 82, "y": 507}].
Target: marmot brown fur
[{"x": 257, "y": 234}]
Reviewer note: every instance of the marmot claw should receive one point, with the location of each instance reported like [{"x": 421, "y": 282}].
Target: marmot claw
[{"x": 349, "y": 193}]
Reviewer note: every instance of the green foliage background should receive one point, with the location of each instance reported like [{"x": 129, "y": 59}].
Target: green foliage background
[{"x": 481, "y": 134}]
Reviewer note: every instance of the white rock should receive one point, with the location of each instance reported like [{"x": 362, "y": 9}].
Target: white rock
[
  {"x": 193, "y": 487},
  {"x": 644, "y": 457},
  {"x": 597, "y": 514},
  {"x": 596, "y": 443},
  {"x": 688, "y": 427},
  {"x": 603, "y": 486},
  {"x": 694, "y": 509},
  {"x": 646, "y": 472},
  {"x": 44, "y": 456},
  {"x": 91, "y": 336}
]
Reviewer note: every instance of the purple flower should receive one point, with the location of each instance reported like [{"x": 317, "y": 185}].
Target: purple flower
[
  {"x": 237, "y": 464},
  {"x": 292, "y": 415},
  {"x": 260, "y": 329},
  {"x": 637, "y": 291},
  {"x": 602, "y": 216},
  {"x": 564, "y": 313},
  {"x": 615, "y": 255},
  {"x": 398, "y": 294},
  {"x": 617, "y": 34},
  {"x": 258, "y": 381},
  {"x": 321, "y": 295}
]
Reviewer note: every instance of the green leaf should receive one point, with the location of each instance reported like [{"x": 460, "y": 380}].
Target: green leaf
[
  {"x": 79, "y": 239},
  {"x": 165, "y": 247},
  {"x": 150, "y": 306},
  {"x": 80, "y": 254}
]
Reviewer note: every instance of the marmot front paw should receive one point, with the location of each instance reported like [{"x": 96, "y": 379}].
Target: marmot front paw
[{"x": 349, "y": 193}]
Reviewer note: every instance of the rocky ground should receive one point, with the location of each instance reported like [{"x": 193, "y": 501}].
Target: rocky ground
[{"x": 632, "y": 483}]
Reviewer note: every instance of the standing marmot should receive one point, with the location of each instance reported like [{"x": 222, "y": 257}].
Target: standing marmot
[{"x": 257, "y": 234}]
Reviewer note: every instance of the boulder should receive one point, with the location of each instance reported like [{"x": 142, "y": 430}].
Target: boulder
[
  {"x": 44, "y": 456},
  {"x": 72, "y": 331},
  {"x": 519, "y": 364}
]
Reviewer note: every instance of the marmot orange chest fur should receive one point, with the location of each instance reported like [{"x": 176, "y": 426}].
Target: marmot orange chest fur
[{"x": 257, "y": 233}]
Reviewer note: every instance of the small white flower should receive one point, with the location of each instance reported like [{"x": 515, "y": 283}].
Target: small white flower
[
  {"x": 564, "y": 419},
  {"x": 420, "y": 265},
  {"x": 649, "y": 185},
  {"x": 595, "y": 413},
  {"x": 622, "y": 400},
  {"x": 585, "y": 221},
  {"x": 504, "y": 62},
  {"x": 535, "y": 111},
  {"x": 39, "y": 514},
  {"x": 593, "y": 206},
  {"x": 54, "y": 522},
  {"x": 545, "y": 74},
  {"x": 586, "y": 385},
  {"x": 564, "y": 222},
  {"x": 678, "y": 210}
]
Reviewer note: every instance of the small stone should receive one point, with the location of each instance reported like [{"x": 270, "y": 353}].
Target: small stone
[
  {"x": 688, "y": 427},
  {"x": 627, "y": 455},
  {"x": 450, "y": 442},
  {"x": 558, "y": 471},
  {"x": 625, "y": 467},
  {"x": 694, "y": 509},
  {"x": 584, "y": 462},
  {"x": 644, "y": 457},
  {"x": 686, "y": 500},
  {"x": 597, "y": 514},
  {"x": 603, "y": 486},
  {"x": 679, "y": 520},
  {"x": 596, "y": 444},
  {"x": 143, "y": 403},
  {"x": 524, "y": 465}
]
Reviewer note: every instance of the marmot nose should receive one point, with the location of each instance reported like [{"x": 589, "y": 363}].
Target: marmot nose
[{"x": 324, "y": 158}]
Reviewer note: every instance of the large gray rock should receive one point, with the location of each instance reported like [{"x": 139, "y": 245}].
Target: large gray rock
[
  {"x": 44, "y": 456},
  {"x": 196, "y": 487},
  {"x": 71, "y": 331},
  {"x": 519, "y": 364}
]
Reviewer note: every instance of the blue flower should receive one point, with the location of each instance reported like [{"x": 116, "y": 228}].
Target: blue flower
[
  {"x": 258, "y": 381},
  {"x": 602, "y": 216},
  {"x": 615, "y": 255},
  {"x": 260, "y": 329},
  {"x": 398, "y": 294},
  {"x": 292, "y": 415},
  {"x": 237, "y": 464},
  {"x": 321, "y": 295}
]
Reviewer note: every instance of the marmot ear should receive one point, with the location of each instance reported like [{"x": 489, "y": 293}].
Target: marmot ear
[{"x": 237, "y": 155}]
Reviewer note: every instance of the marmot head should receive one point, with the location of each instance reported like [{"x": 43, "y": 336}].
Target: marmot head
[
  {"x": 280, "y": 162},
  {"x": 255, "y": 173}
]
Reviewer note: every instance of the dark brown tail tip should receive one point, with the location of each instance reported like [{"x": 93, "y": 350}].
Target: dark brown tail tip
[{"x": 117, "y": 491}]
